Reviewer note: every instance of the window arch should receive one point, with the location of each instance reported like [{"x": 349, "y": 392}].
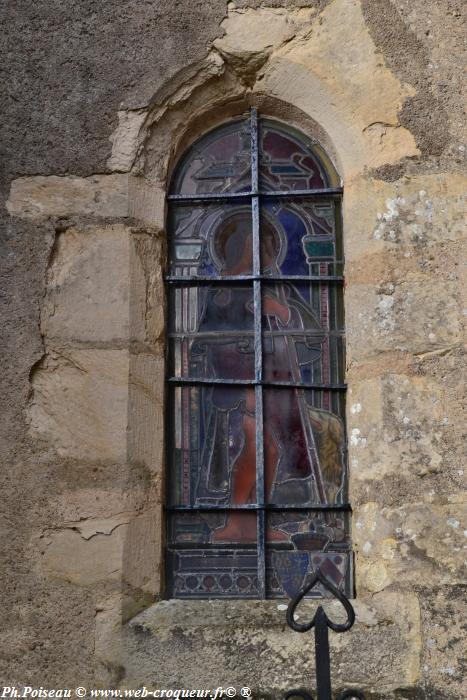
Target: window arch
[{"x": 257, "y": 487}]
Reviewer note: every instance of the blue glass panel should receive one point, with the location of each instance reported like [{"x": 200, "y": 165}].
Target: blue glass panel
[
  {"x": 287, "y": 569},
  {"x": 295, "y": 234}
]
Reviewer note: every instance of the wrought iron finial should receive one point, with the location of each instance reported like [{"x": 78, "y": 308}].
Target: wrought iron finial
[
  {"x": 321, "y": 623},
  {"x": 306, "y": 588}
]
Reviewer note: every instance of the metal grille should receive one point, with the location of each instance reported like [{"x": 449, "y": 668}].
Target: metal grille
[{"x": 254, "y": 198}]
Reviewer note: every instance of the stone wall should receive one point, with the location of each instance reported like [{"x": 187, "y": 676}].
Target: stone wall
[{"x": 95, "y": 121}]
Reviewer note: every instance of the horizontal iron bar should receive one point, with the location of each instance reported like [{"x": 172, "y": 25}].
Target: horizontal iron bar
[
  {"x": 250, "y": 334},
  {"x": 252, "y": 278},
  {"x": 213, "y": 196},
  {"x": 209, "y": 196},
  {"x": 223, "y": 546},
  {"x": 332, "y": 548},
  {"x": 254, "y": 382},
  {"x": 266, "y": 506},
  {"x": 325, "y": 191}
]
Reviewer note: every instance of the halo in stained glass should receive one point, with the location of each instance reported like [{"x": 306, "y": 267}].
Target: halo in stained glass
[{"x": 210, "y": 240}]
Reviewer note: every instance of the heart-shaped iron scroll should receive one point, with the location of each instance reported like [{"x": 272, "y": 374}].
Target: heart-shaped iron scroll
[
  {"x": 298, "y": 694},
  {"x": 319, "y": 577}
]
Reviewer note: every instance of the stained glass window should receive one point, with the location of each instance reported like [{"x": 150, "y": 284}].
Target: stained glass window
[{"x": 257, "y": 484}]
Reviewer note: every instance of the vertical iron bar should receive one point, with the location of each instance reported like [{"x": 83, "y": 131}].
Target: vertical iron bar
[
  {"x": 323, "y": 666},
  {"x": 261, "y": 526},
  {"x": 254, "y": 150},
  {"x": 261, "y": 515},
  {"x": 257, "y": 292}
]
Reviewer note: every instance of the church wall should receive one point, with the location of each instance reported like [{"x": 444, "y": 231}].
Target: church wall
[{"x": 96, "y": 122}]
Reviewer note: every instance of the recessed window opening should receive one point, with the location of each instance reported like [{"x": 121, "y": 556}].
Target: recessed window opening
[{"x": 257, "y": 483}]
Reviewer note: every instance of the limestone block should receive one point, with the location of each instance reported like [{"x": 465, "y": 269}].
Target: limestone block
[
  {"x": 43, "y": 196},
  {"x": 405, "y": 217},
  {"x": 89, "y": 527},
  {"x": 445, "y": 644},
  {"x": 142, "y": 555},
  {"x": 395, "y": 424},
  {"x": 81, "y": 504},
  {"x": 147, "y": 292},
  {"x": 250, "y": 36},
  {"x": 358, "y": 107},
  {"x": 79, "y": 403},
  {"x": 423, "y": 210},
  {"x": 147, "y": 201},
  {"x": 189, "y": 643},
  {"x": 69, "y": 556},
  {"x": 146, "y": 412},
  {"x": 416, "y": 543},
  {"x": 404, "y": 244},
  {"x": 418, "y": 313},
  {"x": 125, "y": 139},
  {"x": 201, "y": 88},
  {"x": 105, "y": 285},
  {"x": 107, "y": 641},
  {"x": 88, "y": 286}
]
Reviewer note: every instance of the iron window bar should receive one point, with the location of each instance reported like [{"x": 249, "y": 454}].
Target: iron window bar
[
  {"x": 346, "y": 507},
  {"x": 248, "y": 334},
  {"x": 254, "y": 278},
  {"x": 256, "y": 382},
  {"x": 216, "y": 196},
  {"x": 254, "y": 195}
]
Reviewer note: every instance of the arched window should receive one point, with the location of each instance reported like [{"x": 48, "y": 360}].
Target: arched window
[{"x": 257, "y": 492}]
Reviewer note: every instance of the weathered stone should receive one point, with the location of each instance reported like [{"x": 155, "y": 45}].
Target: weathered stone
[
  {"x": 412, "y": 313},
  {"x": 207, "y": 85},
  {"x": 146, "y": 412},
  {"x": 103, "y": 287},
  {"x": 88, "y": 287},
  {"x": 147, "y": 201},
  {"x": 98, "y": 503},
  {"x": 251, "y": 36},
  {"x": 108, "y": 648},
  {"x": 40, "y": 196},
  {"x": 401, "y": 446},
  {"x": 125, "y": 140},
  {"x": 79, "y": 403},
  {"x": 406, "y": 217},
  {"x": 418, "y": 41},
  {"x": 445, "y": 645},
  {"x": 147, "y": 292},
  {"x": 404, "y": 262},
  {"x": 414, "y": 544},
  {"x": 69, "y": 556},
  {"x": 91, "y": 527},
  {"x": 210, "y": 643},
  {"x": 358, "y": 108},
  {"x": 143, "y": 552}
]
